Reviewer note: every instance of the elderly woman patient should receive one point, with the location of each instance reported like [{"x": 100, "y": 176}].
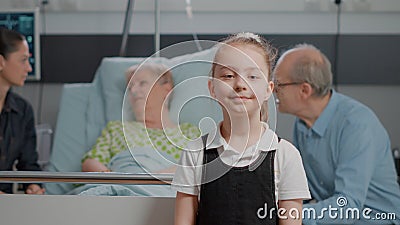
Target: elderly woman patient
[{"x": 153, "y": 139}]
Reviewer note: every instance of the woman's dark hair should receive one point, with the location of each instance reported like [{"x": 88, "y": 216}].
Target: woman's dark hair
[{"x": 9, "y": 40}]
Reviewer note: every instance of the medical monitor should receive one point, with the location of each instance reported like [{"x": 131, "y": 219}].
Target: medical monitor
[{"x": 25, "y": 21}]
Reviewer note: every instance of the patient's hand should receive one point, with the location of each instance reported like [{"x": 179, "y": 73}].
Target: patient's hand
[
  {"x": 168, "y": 170},
  {"x": 92, "y": 165},
  {"x": 34, "y": 189}
]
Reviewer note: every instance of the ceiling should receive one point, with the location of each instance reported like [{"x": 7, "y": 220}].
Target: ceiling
[{"x": 209, "y": 5}]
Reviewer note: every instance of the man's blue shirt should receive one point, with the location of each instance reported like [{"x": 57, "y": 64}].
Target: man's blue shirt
[{"x": 348, "y": 159}]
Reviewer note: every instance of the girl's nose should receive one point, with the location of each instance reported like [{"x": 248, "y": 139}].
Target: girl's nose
[{"x": 240, "y": 83}]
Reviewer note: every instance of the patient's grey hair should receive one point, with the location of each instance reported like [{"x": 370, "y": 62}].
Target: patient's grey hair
[
  {"x": 163, "y": 74},
  {"x": 315, "y": 71}
]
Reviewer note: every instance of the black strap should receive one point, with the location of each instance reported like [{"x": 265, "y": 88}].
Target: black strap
[{"x": 204, "y": 138}]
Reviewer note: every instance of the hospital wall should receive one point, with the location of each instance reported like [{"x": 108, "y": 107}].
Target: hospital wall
[{"x": 381, "y": 96}]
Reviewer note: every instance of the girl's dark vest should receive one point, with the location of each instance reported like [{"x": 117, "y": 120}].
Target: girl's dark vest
[{"x": 241, "y": 196}]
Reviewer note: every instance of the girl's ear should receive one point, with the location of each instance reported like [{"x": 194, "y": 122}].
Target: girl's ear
[
  {"x": 211, "y": 87},
  {"x": 270, "y": 88}
]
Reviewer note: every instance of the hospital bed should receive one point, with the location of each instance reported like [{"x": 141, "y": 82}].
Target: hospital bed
[{"x": 84, "y": 111}]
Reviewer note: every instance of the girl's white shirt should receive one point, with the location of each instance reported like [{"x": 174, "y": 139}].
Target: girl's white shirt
[{"x": 290, "y": 177}]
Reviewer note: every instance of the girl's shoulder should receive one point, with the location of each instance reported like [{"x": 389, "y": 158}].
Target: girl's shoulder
[
  {"x": 285, "y": 144},
  {"x": 287, "y": 151}
]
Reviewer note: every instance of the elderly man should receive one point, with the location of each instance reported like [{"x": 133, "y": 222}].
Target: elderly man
[{"x": 345, "y": 149}]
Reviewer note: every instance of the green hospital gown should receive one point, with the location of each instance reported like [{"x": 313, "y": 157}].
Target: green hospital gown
[{"x": 112, "y": 140}]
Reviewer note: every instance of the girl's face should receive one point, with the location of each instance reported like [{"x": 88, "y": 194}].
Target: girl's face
[
  {"x": 240, "y": 79},
  {"x": 15, "y": 67}
]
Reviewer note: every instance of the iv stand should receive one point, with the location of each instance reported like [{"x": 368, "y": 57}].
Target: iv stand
[
  {"x": 157, "y": 28},
  {"x": 127, "y": 25}
]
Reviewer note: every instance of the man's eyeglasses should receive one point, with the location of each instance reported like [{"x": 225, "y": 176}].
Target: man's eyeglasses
[
  {"x": 277, "y": 84},
  {"x": 280, "y": 85}
]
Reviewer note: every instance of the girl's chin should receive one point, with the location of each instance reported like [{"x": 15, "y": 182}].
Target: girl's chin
[{"x": 242, "y": 110}]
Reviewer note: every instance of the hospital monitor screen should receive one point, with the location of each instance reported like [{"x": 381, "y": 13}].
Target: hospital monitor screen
[{"x": 26, "y": 22}]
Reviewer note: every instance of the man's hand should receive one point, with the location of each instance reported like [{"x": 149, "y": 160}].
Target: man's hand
[{"x": 34, "y": 189}]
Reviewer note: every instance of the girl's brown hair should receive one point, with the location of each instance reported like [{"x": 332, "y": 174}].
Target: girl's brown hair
[{"x": 247, "y": 38}]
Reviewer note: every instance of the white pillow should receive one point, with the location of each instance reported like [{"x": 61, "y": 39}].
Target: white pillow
[{"x": 190, "y": 102}]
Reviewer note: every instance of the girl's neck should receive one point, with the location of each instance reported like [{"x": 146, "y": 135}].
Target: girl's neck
[{"x": 242, "y": 132}]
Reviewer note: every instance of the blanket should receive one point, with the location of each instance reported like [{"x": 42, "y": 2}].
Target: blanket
[{"x": 144, "y": 160}]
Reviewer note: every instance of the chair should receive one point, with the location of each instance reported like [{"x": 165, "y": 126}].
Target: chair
[
  {"x": 396, "y": 157},
  {"x": 44, "y": 135}
]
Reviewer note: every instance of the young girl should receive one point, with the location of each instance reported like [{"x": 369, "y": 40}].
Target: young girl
[{"x": 244, "y": 173}]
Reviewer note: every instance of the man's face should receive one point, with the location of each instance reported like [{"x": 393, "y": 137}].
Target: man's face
[{"x": 287, "y": 91}]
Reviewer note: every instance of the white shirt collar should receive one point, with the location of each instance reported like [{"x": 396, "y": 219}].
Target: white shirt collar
[{"x": 268, "y": 141}]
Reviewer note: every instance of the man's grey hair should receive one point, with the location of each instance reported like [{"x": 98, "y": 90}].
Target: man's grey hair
[{"x": 315, "y": 71}]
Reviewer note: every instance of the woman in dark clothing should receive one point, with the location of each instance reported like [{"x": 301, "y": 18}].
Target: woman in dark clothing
[{"x": 17, "y": 127}]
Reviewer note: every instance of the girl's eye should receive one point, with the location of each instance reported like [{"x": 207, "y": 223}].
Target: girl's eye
[
  {"x": 253, "y": 77},
  {"x": 228, "y": 76}
]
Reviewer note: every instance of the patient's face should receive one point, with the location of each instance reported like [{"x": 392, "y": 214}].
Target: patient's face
[{"x": 146, "y": 90}]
